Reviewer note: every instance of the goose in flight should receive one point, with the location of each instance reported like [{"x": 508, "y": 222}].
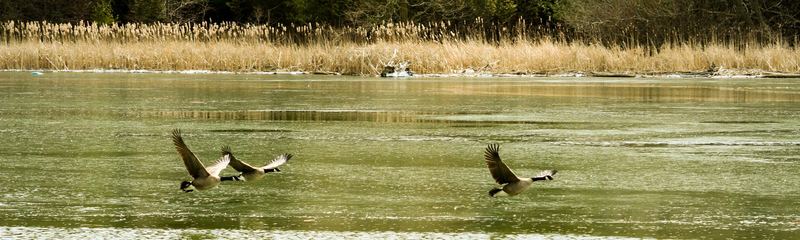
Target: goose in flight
[
  {"x": 202, "y": 177},
  {"x": 251, "y": 173},
  {"x": 503, "y": 175}
]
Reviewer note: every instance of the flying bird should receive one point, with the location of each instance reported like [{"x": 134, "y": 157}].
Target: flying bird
[
  {"x": 251, "y": 173},
  {"x": 512, "y": 185},
  {"x": 203, "y": 177}
]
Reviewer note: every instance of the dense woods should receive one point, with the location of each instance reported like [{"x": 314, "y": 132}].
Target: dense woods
[{"x": 648, "y": 22}]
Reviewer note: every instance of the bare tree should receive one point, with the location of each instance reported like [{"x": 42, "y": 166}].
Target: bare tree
[
  {"x": 186, "y": 11},
  {"x": 655, "y": 22},
  {"x": 371, "y": 12}
]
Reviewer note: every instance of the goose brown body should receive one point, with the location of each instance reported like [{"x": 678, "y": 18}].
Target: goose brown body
[
  {"x": 251, "y": 173},
  {"x": 502, "y": 174},
  {"x": 203, "y": 177}
]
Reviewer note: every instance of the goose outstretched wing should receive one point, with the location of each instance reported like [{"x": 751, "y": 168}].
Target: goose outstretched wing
[
  {"x": 279, "y": 160},
  {"x": 219, "y": 165},
  {"x": 238, "y": 165},
  {"x": 193, "y": 165},
  {"x": 501, "y": 173}
]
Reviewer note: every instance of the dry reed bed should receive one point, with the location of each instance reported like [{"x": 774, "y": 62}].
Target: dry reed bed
[
  {"x": 231, "y": 47},
  {"x": 263, "y": 34}
]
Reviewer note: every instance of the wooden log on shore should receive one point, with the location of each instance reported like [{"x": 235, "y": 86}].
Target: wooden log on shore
[
  {"x": 611, "y": 74},
  {"x": 780, "y": 75}
]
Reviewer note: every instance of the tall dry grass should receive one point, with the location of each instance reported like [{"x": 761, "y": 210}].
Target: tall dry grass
[{"x": 433, "y": 48}]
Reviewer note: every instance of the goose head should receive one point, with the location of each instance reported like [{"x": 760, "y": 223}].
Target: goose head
[{"x": 186, "y": 186}]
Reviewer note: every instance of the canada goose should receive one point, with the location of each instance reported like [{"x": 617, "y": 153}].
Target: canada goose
[
  {"x": 251, "y": 173},
  {"x": 503, "y": 175},
  {"x": 203, "y": 177}
]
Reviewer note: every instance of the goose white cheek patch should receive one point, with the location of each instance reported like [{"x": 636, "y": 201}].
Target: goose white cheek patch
[{"x": 190, "y": 188}]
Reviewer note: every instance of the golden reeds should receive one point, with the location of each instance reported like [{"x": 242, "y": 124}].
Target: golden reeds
[{"x": 431, "y": 48}]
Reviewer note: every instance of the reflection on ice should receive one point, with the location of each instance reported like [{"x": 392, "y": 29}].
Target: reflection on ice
[
  {"x": 292, "y": 115},
  {"x": 480, "y": 118}
]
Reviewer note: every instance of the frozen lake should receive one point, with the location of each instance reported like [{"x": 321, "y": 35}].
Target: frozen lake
[{"x": 89, "y": 155}]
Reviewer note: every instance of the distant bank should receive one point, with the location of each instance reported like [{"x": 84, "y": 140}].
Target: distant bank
[{"x": 430, "y": 52}]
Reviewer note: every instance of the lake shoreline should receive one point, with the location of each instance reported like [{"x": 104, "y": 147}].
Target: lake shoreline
[{"x": 721, "y": 74}]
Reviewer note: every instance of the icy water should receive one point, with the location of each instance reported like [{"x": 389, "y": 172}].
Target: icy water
[{"x": 87, "y": 155}]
